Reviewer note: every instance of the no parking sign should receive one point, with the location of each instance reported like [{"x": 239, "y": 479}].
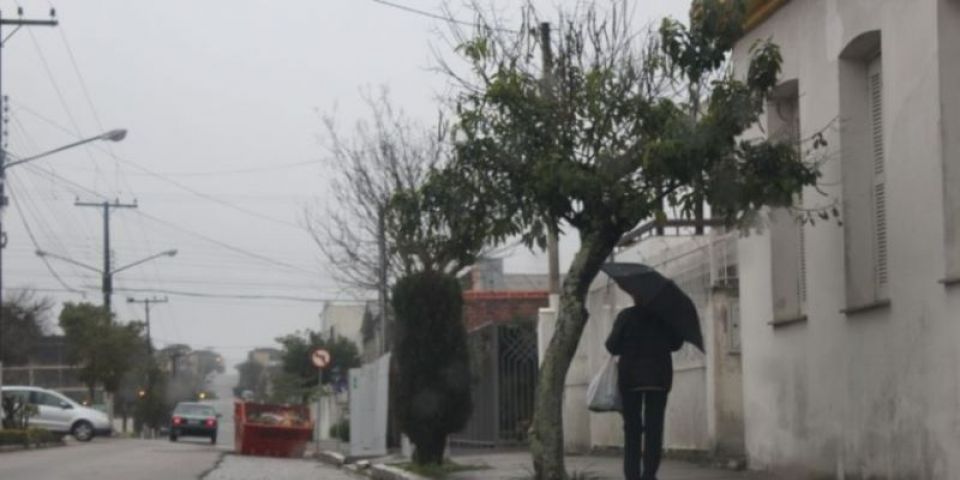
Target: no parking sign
[{"x": 320, "y": 358}]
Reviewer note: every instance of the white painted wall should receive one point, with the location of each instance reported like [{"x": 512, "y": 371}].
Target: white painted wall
[
  {"x": 345, "y": 320},
  {"x": 875, "y": 394},
  {"x": 705, "y": 408}
]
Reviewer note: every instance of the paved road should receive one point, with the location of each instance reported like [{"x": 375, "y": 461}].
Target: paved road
[
  {"x": 106, "y": 459},
  {"x": 236, "y": 467},
  {"x": 223, "y": 385},
  {"x": 125, "y": 459}
]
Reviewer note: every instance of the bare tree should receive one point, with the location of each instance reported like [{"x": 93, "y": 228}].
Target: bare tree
[{"x": 384, "y": 154}]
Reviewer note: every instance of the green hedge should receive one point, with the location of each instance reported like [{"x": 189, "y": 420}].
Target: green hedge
[{"x": 30, "y": 436}]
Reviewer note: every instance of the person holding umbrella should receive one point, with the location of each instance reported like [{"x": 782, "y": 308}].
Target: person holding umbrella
[{"x": 644, "y": 336}]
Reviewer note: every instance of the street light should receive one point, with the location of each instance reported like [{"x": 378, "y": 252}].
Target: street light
[
  {"x": 107, "y": 276},
  {"x": 111, "y": 136}
]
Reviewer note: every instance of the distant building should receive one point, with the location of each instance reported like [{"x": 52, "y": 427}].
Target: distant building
[
  {"x": 267, "y": 357},
  {"x": 48, "y": 368},
  {"x": 345, "y": 320}
]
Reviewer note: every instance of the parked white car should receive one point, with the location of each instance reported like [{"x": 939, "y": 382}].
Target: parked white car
[{"x": 58, "y": 413}]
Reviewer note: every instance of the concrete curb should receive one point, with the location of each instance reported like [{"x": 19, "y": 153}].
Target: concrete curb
[
  {"x": 329, "y": 457},
  {"x": 381, "y": 471}
]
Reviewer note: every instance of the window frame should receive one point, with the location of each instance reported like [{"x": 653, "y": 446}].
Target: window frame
[{"x": 863, "y": 139}]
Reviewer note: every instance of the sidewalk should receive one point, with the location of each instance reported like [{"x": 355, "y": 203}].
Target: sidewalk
[{"x": 515, "y": 465}]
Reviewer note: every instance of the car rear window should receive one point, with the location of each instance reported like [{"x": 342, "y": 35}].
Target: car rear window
[{"x": 195, "y": 410}]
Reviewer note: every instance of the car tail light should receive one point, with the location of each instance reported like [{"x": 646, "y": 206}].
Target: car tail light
[
  {"x": 177, "y": 420},
  {"x": 211, "y": 422}
]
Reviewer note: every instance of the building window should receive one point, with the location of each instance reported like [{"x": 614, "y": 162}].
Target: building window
[
  {"x": 787, "y": 247},
  {"x": 863, "y": 162}
]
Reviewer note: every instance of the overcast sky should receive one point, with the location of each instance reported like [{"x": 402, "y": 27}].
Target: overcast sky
[{"x": 221, "y": 100}]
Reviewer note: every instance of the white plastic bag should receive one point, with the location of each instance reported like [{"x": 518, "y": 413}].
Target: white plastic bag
[{"x": 603, "y": 394}]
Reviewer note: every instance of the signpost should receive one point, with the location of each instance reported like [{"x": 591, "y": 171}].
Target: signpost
[{"x": 320, "y": 359}]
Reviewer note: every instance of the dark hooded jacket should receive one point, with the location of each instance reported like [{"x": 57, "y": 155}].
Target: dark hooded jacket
[{"x": 644, "y": 343}]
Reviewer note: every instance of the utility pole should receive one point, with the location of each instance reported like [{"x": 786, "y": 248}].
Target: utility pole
[
  {"x": 546, "y": 88},
  {"x": 107, "y": 273},
  {"x": 146, "y": 307},
  {"x": 18, "y": 24},
  {"x": 382, "y": 276}
]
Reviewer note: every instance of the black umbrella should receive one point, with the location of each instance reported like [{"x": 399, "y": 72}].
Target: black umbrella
[{"x": 660, "y": 295}]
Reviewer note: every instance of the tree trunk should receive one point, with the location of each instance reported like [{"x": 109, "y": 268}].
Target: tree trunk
[
  {"x": 546, "y": 442},
  {"x": 430, "y": 450}
]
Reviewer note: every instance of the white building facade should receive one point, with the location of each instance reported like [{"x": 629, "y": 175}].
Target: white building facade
[
  {"x": 705, "y": 414},
  {"x": 851, "y": 329}
]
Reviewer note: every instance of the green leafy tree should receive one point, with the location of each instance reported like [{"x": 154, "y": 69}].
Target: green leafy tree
[
  {"x": 153, "y": 403},
  {"x": 103, "y": 350},
  {"x": 24, "y": 322},
  {"x": 301, "y": 375},
  {"x": 251, "y": 378},
  {"x": 433, "y": 382},
  {"x": 608, "y": 131}
]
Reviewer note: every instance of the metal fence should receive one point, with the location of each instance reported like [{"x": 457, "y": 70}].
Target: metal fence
[{"x": 505, "y": 367}]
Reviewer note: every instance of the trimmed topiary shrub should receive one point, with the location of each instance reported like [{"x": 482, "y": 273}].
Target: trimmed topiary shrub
[{"x": 432, "y": 361}]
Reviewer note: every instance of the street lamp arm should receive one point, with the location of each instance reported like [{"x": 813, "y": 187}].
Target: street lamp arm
[
  {"x": 41, "y": 253},
  {"x": 113, "y": 136},
  {"x": 168, "y": 253}
]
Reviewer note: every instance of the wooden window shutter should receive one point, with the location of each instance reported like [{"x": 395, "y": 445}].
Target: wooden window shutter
[
  {"x": 875, "y": 86},
  {"x": 802, "y": 270}
]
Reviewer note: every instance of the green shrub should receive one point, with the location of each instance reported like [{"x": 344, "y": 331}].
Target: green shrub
[
  {"x": 432, "y": 361},
  {"x": 30, "y": 436},
  {"x": 13, "y": 437},
  {"x": 341, "y": 430}
]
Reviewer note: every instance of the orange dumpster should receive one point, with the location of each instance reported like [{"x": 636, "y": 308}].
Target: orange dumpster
[{"x": 271, "y": 430}]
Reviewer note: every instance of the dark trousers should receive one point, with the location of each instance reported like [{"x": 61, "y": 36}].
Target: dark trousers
[{"x": 643, "y": 413}]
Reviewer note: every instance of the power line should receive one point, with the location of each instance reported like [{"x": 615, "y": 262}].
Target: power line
[
  {"x": 212, "y": 173},
  {"x": 32, "y": 207},
  {"x": 212, "y": 198},
  {"x": 233, "y": 296},
  {"x": 228, "y": 246},
  {"x": 442, "y": 18},
  {"x": 63, "y": 101},
  {"x": 33, "y": 239},
  {"x": 261, "y": 285},
  {"x": 174, "y": 226},
  {"x": 171, "y": 181},
  {"x": 29, "y": 139},
  {"x": 88, "y": 97}
]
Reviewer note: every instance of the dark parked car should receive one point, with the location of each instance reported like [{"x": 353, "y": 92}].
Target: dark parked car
[{"x": 194, "y": 419}]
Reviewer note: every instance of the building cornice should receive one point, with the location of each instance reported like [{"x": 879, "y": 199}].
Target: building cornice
[{"x": 760, "y": 10}]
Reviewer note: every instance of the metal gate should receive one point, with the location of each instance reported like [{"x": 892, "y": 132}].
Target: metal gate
[{"x": 504, "y": 373}]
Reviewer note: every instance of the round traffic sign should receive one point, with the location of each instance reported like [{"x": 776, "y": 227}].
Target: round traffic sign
[{"x": 320, "y": 358}]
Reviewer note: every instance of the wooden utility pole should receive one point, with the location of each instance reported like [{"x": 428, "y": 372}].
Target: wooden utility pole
[
  {"x": 146, "y": 313},
  {"x": 382, "y": 276},
  {"x": 107, "y": 273},
  {"x": 546, "y": 86}
]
